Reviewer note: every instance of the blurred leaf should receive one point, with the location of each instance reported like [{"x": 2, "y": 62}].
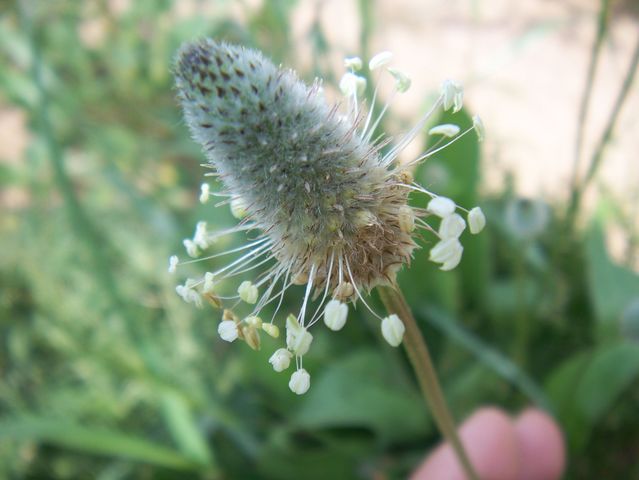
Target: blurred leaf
[
  {"x": 630, "y": 321},
  {"x": 561, "y": 387},
  {"x": 183, "y": 429},
  {"x": 611, "y": 371},
  {"x": 360, "y": 391},
  {"x": 507, "y": 297},
  {"x": 586, "y": 386},
  {"x": 289, "y": 457},
  {"x": 612, "y": 287},
  {"x": 486, "y": 354},
  {"x": 93, "y": 440}
]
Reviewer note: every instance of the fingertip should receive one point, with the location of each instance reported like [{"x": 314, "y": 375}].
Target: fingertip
[
  {"x": 542, "y": 447},
  {"x": 490, "y": 442}
]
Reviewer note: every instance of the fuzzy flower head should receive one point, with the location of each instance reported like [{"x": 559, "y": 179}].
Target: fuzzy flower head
[{"x": 328, "y": 203}]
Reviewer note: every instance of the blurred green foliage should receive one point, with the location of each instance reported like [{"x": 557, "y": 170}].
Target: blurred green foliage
[{"x": 107, "y": 375}]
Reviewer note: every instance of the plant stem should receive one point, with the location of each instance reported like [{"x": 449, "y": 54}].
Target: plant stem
[
  {"x": 422, "y": 363},
  {"x": 605, "y": 138},
  {"x": 602, "y": 27}
]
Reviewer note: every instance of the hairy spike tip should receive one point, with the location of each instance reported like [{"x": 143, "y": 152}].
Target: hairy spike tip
[{"x": 304, "y": 174}]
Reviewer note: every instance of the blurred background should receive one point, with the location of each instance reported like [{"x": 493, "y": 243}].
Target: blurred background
[{"x": 106, "y": 374}]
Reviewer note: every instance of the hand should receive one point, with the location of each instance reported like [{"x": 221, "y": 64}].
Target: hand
[{"x": 528, "y": 447}]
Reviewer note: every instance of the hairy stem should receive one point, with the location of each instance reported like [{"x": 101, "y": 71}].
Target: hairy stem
[{"x": 420, "y": 359}]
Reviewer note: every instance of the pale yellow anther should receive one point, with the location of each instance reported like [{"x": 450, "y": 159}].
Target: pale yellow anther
[
  {"x": 253, "y": 321},
  {"x": 251, "y": 336},
  {"x": 344, "y": 291},
  {"x": 247, "y": 292},
  {"x": 271, "y": 329},
  {"x": 406, "y": 219}
]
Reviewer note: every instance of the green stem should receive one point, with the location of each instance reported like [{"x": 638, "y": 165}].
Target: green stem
[
  {"x": 605, "y": 138},
  {"x": 602, "y": 27},
  {"x": 422, "y": 363}
]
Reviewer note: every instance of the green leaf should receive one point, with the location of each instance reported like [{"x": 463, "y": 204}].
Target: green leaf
[
  {"x": 93, "y": 440},
  {"x": 586, "y": 386},
  {"x": 561, "y": 387},
  {"x": 489, "y": 356},
  {"x": 360, "y": 391},
  {"x": 612, "y": 287},
  {"x": 612, "y": 370},
  {"x": 288, "y": 457},
  {"x": 182, "y": 426}
]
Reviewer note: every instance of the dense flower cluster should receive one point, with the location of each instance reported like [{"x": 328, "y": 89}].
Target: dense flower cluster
[{"x": 328, "y": 202}]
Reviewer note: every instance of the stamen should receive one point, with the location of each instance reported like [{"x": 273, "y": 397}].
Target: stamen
[
  {"x": 243, "y": 258},
  {"x": 348, "y": 267},
  {"x": 234, "y": 250},
  {"x": 410, "y": 135},
  {"x": 281, "y": 294},
  {"x": 432, "y": 152},
  {"x": 318, "y": 311},
  {"x": 309, "y": 285}
]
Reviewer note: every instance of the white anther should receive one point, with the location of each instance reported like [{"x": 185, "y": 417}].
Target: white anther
[
  {"x": 446, "y": 129},
  {"x": 476, "y": 220},
  {"x": 452, "y": 226},
  {"x": 205, "y": 190},
  {"x": 247, "y": 292},
  {"x": 200, "y": 236},
  {"x": 453, "y": 95},
  {"x": 478, "y": 125},
  {"x": 380, "y": 60},
  {"x": 227, "y": 330},
  {"x": 280, "y": 360},
  {"x": 335, "y": 314},
  {"x": 188, "y": 293},
  {"x": 441, "y": 206},
  {"x": 173, "y": 262},
  {"x": 191, "y": 248},
  {"x": 447, "y": 252},
  {"x": 300, "y": 342},
  {"x": 298, "y": 339},
  {"x": 393, "y": 330},
  {"x": 300, "y": 382},
  {"x": 209, "y": 282}
]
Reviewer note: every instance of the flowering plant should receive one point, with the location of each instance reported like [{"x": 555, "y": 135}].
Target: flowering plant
[{"x": 328, "y": 200}]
